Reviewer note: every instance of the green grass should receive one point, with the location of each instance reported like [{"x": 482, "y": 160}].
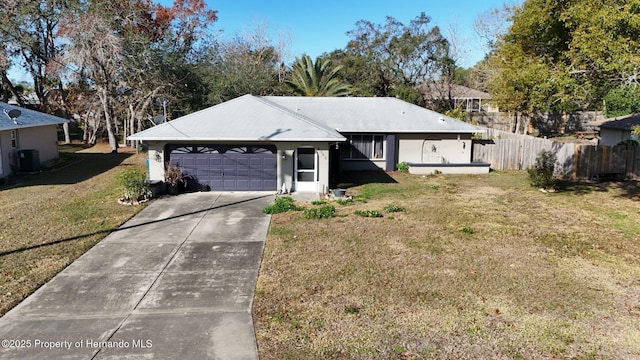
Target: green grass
[
  {"x": 474, "y": 267},
  {"x": 53, "y": 217}
]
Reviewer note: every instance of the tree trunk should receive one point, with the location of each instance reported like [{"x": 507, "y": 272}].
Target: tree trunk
[
  {"x": 526, "y": 127},
  {"x": 6, "y": 82},
  {"x": 104, "y": 98},
  {"x": 563, "y": 126},
  {"x": 63, "y": 103},
  {"x": 518, "y": 120},
  {"x": 67, "y": 136}
]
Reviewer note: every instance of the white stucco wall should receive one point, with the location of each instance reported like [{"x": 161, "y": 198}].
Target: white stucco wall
[
  {"x": 611, "y": 137},
  {"x": 436, "y": 148},
  {"x": 41, "y": 138}
]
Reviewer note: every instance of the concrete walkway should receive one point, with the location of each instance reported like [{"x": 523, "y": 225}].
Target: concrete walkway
[{"x": 175, "y": 282}]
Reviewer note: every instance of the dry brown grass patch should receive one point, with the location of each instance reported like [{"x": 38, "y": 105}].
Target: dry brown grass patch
[{"x": 474, "y": 267}]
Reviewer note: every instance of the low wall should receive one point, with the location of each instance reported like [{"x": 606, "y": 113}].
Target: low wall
[
  {"x": 469, "y": 168},
  {"x": 544, "y": 123}
]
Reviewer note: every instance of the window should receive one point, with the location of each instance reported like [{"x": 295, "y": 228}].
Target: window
[
  {"x": 363, "y": 147},
  {"x": 14, "y": 139}
]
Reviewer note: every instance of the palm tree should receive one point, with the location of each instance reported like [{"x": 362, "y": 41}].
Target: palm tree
[{"x": 319, "y": 79}]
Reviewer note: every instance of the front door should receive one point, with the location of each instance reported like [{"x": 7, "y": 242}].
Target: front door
[{"x": 306, "y": 169}]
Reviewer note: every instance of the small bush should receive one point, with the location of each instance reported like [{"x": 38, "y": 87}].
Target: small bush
[
  {"x": 318, "y": 202},
  {"x": 344, "y": 201},
  {"x": 134, "y": 185},
  {"x": 403, "y": 167},
  {"x": 324, "y": 212},
  {"x": 541, "y": 175},
  {"x": 368, "y": 213},
  {"x": 282, "y": 204},
  {"x": 467, "y": 230},
  {"x": 352, "y": 309},
  {"x": 393, "y": 208}
]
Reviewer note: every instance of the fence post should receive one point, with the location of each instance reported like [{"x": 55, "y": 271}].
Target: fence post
[{"x": 576, "y": 158}]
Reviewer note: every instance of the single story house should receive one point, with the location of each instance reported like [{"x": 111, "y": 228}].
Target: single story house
[
  {"x": 301, "y": 143},
  {"x": 464, "y": 98},
  {"x": 27, "y": 139},
  {"x": 613, "y": 131}
]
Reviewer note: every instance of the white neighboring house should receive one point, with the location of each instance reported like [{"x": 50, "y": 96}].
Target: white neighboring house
[
  {"x": 260, "y": 143},
  {"x": 613, "y": 131},
  {"x": 26, "y": 140}
]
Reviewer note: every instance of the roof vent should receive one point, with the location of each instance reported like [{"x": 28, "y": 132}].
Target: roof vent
[
  {"x": 401, "y": 112},
  {"x": 441, "y": 119}
]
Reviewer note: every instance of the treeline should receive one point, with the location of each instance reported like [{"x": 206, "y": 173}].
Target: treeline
[
  {"x": 565, "y": 56},
  {"x": 119, "y": 66}
]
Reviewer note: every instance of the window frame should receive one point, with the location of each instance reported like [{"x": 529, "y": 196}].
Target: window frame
[{"x": 352, "y": 149}]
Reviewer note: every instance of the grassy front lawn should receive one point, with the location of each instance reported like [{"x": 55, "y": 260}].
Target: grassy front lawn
[
  {"x": 50, "y": 219},
  {"x": 475, "y": 267}
]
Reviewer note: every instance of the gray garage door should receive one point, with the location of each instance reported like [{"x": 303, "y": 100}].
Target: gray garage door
[{"x": 228, "y": 167}]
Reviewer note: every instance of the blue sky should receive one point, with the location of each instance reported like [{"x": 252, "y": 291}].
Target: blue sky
[{"x": 321, "y": 26}]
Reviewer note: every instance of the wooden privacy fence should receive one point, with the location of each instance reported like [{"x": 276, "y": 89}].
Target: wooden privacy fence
[{"x": 508, "y": 151}]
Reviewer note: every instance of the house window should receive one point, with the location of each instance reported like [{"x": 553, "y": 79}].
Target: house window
[
  {"x": 363, "y": 147},
  {"x": 14, "y": 139}
]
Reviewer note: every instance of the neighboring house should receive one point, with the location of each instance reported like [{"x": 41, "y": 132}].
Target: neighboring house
[
  {"x": 27, "y": 140},
  {"x": 265, "y": 142},
  {"x": 30, "y": 99},
  {"x": 614, "y": 131},
  {"x": 464, "y": 98}
]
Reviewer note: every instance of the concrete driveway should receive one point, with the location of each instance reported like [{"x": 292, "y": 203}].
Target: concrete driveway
[{"x": 175, "y": 282}]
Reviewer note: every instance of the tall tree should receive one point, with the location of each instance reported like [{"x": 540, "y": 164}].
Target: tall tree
[
  {"x": 30, "y": 30},
  {"x": 566, "y": 55},
  {"x": 316, "y": 79},
  {"x": 133, "y": 52},
  {"x": 394, "y": 56},
  {"x": 248, "y": 63},
  {"x": 99, "y": 53}
]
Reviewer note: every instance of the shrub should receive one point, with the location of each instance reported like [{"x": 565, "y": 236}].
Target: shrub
[
  {"x": 368, "y": 213},
  {"x": 403, "y": 167},
  {"x": 324, "y": 212},
  {"x": 541, "y": 175},
  {"x": 344, "y": 201},
  {"x": 173, "y": 176},
  {"x": 467, "y": 230},
  {"x": 318, "y": 202},
  {"x": 134, "y": 185},
  {"x": 282, "y": 204},
  {"x": 393, "y": 208}
]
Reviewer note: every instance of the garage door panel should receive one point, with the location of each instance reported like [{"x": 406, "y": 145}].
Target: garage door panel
[{"x": 230, "y": 171}]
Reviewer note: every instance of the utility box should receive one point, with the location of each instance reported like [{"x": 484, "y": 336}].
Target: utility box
[{"x": 29, "y": 160}]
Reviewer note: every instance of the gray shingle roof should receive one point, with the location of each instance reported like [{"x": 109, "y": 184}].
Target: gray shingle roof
[
  {"x": 275, "y": 118},
  {"x": 369, "y": 114},
  {"x": 28, "y": 118},
  {"x": 626, "y": 122}
]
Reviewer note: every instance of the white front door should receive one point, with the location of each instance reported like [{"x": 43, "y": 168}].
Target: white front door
[{"x": 306, "y": 169}]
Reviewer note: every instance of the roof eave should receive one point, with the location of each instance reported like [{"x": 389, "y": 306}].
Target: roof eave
[
  {"x": 169, "y": 138},
  {"x": 25, "y": 126}
]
